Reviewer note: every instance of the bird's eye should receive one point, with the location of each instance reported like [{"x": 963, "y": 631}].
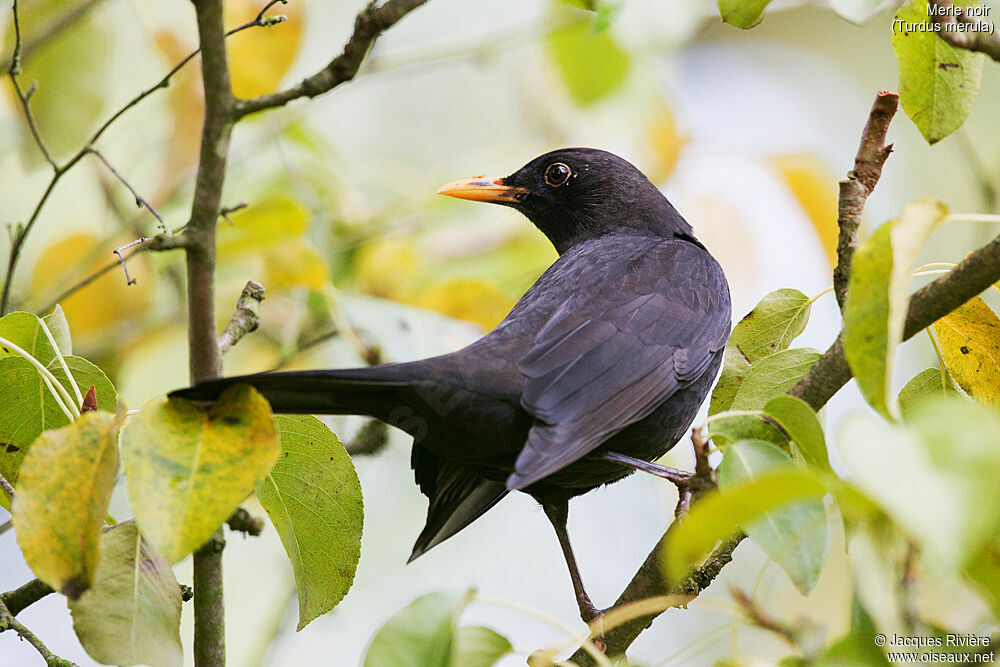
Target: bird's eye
[{"x": 557, "y": 174}]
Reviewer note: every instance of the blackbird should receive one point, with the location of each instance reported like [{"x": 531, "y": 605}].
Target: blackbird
[{"x": 598, "y": 369}]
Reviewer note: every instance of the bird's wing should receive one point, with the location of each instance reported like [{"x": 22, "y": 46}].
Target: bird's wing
[{"x": 609, "y": 355}]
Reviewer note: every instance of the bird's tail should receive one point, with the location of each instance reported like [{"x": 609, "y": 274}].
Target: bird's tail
[{"x": 353, "y": 391}]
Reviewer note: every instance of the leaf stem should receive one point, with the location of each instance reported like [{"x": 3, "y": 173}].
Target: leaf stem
[
  {"x": 62, "y": 361},
  {"x": 71, "y": 411},
  {"x": 576, "y": 637}
]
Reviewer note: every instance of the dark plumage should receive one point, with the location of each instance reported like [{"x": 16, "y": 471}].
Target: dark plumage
[{"x": 613, "y": 349}]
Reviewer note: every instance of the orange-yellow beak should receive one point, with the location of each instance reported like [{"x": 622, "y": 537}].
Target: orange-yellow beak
[{"x": 482, "y": 188}]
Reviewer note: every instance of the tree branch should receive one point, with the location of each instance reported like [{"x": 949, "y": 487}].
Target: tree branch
[
  {"x": 22, "y": 232},
  {"x": 245, "y": 319},
  {"x": 23, "y": 597},
  {"x": 974, "y": 274},
  {"x": 368, "y": 26},
  {"x": 203, "y": 351},
  {"x": 56, "y": 28},
  {"x": 860, "y": 182},
  {"x": 8, "y": 622},
  {"x": 140, "y": 201},
  {"x": 952, "y": 29}
]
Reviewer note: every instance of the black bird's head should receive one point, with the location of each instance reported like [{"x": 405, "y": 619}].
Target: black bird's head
[{"x": 576, "y": 194}]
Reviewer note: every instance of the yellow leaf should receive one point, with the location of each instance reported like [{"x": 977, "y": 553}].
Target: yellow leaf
[
  {"x": 294, "y": 263},
  {"x": 260, "y": 226},
  {"x": 470, "y": 300},
  {"x": 811, "y": 183},
  {"x": 62, "y": 497},
  {"x": 187, "y": 108},
  {"x": 91, "y": 310},
  {"x": 970, "y": 345},
  {"x": 188, "y": 468},
  {"x": 259, "y": 58},
  {"x": 665, "y": 141},
  {"x": 387, "y": 267}
]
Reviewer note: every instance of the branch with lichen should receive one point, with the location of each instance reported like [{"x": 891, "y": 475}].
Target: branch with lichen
[
  {"x": 8, "y": 622},
  {"x": 245, "y": 319}
]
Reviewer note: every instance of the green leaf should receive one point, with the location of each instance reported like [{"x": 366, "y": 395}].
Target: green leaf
[
  {"x": 70, "y": 66},
  {"x": 796, "y": 536},
  {"x": 877, "y": 298},
  {"x": 770, "y": 327},
  {"x": 743, "y": 13},
  {"x": 188, "y": 468},
  {"x": 856, "y": 647},
  {"x": 802, "y": 424},
  {"x": 591, "y": 64},
  {"x": 589, "y": 5},
  {"x": 313, "y": 497},
  {"x": 936, "y": 476},
  {"x": 726, "y": 429},
  {"x": 132, "y": 614},
  {"x": 422, "y": 634},
  {"x": 62, "y": 498},
  {"x": 773, "y": 376},
  {"x": 719, "y": 514},
  {"x": 27, "y": 408},
  {"x": 970, "y": 344},
  {"x": 476, "y": 646},
  {"x": 25, "y": 331},
  {"x": 927, "y": 384},
  {"x": 938, "y": 84},
  {"x": 59, "y": 328}
]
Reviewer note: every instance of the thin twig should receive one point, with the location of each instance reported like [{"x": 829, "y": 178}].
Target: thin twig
[
  {"x": 55, "y": 28},
  {"x": 21, "y": 235},
  {"x": 129, "y": 280},
  {"x": 757, "y": 616},
  {"x": 24, "y": 97},
  {"x": 368, "y": 26},
  {"x": 245, "y": 319},
  {"x": 855, "y": 190},
  {"x": 227, "y": 210},
  {"x": 6, "y": 487},
  {"x": 140, "y": 201},
  {"x": 955, "y": 30},
  {"x": 8, "y": 622}
]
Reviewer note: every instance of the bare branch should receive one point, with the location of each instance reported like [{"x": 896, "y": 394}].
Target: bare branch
[
  {"x": 6, "y": 487},
  {"x": 129, "y": 280},
  {"x": 17, "y": 243},
  {"x": 245, "y": 319},
  {"x": 368, "y": 26},
  {"x": 955, "y": 30},
  {"x": 56, "y": 28},
  {"x": 23, "y": 97},
  {"x": 140, "y": 201},
  {"x": 860, "y": 182}
]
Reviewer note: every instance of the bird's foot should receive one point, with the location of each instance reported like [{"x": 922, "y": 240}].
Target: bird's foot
[{"x": 594, "y": 618}]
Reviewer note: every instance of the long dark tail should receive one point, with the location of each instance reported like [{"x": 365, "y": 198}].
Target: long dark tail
[{"x": 353, "y": 391}]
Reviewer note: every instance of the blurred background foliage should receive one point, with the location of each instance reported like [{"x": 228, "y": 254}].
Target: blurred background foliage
[{"x": 746, "y": 132}]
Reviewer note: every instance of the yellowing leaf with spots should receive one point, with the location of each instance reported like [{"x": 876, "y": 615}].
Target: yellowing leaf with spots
[
  {"x": 468, "y": 299},
  {"x": 62, "y": 498},
  {"x": 259, "y": 58},
  {"x": 295, "y": 263},
  {"x": 970, "y": 345},
  {"x": 811, "y": 183},
  {"x": 107, "y": 300},
  {"x": 188, "y": 468},
  {"x": 313, "y": 498},
  {"x": 260, "y": 226},
  {"x": 386, "y": 268}
]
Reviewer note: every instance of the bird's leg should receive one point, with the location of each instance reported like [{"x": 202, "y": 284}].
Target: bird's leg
[
  {"x": 679, "y": 477},
  {"x": 558, "y": 512}
]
